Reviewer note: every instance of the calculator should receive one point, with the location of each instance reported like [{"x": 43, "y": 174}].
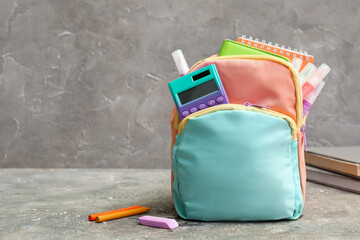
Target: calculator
[{"x": 198, "y": 90}]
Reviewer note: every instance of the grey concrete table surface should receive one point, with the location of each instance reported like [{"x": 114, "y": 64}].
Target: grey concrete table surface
[{"x": 55, "y": 204}]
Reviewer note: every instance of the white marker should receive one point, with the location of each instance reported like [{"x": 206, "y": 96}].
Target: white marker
[
  {"x": 297, "y": 62},
  {"x": 180, "y": 62},
  {"x": 306, "y": 73}
]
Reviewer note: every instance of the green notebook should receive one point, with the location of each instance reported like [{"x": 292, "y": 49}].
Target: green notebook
[{"x": 230, "y": 47}]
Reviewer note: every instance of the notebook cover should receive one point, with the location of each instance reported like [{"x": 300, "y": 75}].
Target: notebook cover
[
  {"x": 348, "y": 153},
  {"x": 275, "y": 48},
  {"x": 230, "y": 47},
  {"x": 344, "y": 160},
  {"x": 327, "y": 178}
]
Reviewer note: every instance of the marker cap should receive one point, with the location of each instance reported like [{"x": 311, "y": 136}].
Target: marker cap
[
  {"x": 306, "y": 73},
  {"x": 319, "y": 75},
  {"x": 297, "y": 62},
  {"x": 180, "y": 62}
]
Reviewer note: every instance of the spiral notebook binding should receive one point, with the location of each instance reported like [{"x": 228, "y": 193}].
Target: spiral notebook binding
[{"x": 275, "y": 48}]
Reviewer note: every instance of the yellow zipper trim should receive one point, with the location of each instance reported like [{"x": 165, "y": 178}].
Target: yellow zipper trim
[
  {"x": 299, "y": 110},
  {"x": 176, "y": 120},
  {"x": 221, "y": 107}
]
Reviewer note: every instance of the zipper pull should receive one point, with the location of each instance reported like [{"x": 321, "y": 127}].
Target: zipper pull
[
  {"x": 254, "y": 105},
  {"x": 303, "y": 130}
]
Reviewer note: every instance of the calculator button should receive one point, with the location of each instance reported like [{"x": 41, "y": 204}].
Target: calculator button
[
  {"x": 220, "y": 99},
  {"x": 193, "y": 109},
  {"x": 211, "y": 103},
  {"x": 185, "y": 113},
  {"x": 202, "y": 106}
]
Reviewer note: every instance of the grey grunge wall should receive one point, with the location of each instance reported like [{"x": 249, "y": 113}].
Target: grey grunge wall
[{"x": 84, "y": 83}]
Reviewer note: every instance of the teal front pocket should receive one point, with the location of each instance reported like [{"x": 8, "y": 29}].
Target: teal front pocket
[{"x": 236, "y": 165}]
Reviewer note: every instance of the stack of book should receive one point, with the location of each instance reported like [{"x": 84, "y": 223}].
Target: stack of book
[{"x": 337, "y": 167}]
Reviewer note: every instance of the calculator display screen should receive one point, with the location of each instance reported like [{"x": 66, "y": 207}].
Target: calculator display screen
[{"x": 197, "y": 91}]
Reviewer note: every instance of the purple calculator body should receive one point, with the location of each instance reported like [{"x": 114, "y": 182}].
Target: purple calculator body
[{"x": 198, "y": 90}]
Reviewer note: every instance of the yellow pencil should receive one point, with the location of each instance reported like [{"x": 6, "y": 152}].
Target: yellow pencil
[{"x": 122, "y": 214}]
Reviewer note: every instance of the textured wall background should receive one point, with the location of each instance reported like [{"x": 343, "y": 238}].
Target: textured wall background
[{"x": 84, "y": 83}]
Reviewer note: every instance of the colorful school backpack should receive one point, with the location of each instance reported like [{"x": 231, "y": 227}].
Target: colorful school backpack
[{"x": 242, "y": 161}]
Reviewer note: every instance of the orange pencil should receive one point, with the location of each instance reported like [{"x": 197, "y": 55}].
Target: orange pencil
[
  {"x": 92, "y": 217},
  {"x": 121, "y": 214}
]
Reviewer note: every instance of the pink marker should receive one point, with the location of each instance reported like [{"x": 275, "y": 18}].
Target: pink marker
[
  {"x": 315, "y": 79},
  {"x": 310, "y": 99},
  {"x": 158, "y": 222}
]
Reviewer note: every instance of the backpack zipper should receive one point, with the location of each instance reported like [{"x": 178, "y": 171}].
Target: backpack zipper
[{"x": 248, "y": 107}]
